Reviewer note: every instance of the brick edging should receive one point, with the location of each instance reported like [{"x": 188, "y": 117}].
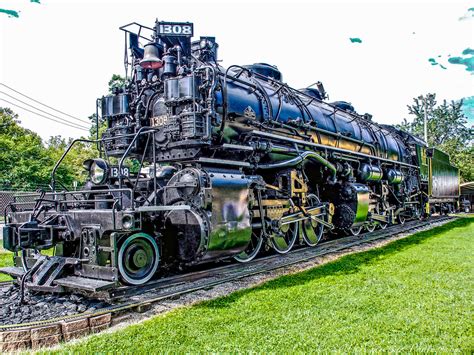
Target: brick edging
[{"x": 36, "y": 337}]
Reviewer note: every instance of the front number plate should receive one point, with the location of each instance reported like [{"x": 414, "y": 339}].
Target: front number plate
[
  {"x": 114, "y": 171},
  {"x": 175, "y": 29}
]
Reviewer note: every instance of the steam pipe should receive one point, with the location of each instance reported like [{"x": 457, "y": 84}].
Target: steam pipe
[{"x": 299, "y": 159}]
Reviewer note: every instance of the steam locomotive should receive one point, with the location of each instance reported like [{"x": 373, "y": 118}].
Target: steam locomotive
[{"x": 228, "y": 162}]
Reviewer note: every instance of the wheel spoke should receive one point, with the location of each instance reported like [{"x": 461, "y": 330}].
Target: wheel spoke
[
  {"x": 311, "y": 230},
  {"x": 382, "y": 225}
]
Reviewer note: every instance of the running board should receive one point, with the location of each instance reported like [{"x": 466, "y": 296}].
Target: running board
[{"x": 84, "y": 283}]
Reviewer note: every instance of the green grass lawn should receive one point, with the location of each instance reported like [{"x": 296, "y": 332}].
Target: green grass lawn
[
  {"x": 414, "y": 294},
  {"x": 6, "y": 259}
]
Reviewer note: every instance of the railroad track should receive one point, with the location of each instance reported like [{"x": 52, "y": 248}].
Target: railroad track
[{"x": 127, "y": 300}]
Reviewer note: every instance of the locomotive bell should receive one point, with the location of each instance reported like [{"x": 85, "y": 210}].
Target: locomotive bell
[{"x": 150, "y": 57}]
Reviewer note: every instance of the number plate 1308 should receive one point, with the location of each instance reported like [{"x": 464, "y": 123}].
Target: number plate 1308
[{"x": 175, "y": 29}]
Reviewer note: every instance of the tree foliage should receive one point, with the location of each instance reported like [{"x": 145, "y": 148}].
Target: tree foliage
[
  {"x": 23, "y": 162},
  {"x": 447, "y": 130},
  {"x": 26, "y": 161}
]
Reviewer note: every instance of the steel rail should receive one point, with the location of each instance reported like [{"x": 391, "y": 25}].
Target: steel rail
[{"x": 324, "y": 249}]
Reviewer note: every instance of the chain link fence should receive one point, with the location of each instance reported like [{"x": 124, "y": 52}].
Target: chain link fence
[
  {"x": 25, "y": 196},
  {"x": 9, "y": 196}
]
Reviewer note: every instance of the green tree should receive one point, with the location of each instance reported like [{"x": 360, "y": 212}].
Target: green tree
[
  {"x": 447, "y": 130},
  {"x": 24, "y": 163},
  {"x": 71, "y": 168},
  {"x": 117, "y": 81},
  {"x": 93, "y": 130}
]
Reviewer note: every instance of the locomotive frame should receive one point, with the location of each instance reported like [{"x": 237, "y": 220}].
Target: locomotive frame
[{"x": 231, "y": 162}]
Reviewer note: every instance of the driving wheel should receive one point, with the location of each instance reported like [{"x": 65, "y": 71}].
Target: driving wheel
[
  {"x": 138, "y": 259},
  {"x": 252, "y": 249},
  {"x": 283, "y": 239}
]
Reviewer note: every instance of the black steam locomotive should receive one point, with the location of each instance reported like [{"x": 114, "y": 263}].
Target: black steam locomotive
[{"x": 228, "y": 162}]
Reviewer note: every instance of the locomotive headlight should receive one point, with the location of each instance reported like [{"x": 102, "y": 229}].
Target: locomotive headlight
[
  {"x": 98, "y": 173},
  {"x": 98, "y": 170},
  {"x": 128, "y": 221}
]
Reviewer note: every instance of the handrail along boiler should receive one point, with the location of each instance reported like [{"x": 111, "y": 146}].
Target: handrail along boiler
[{"x": 231, "y": 161}]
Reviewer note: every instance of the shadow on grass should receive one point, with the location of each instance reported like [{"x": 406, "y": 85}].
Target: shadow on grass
[{"x": 345, "y": 265}]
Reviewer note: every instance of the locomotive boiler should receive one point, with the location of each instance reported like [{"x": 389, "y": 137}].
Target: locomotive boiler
[{"x": 228, "y": 162}]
